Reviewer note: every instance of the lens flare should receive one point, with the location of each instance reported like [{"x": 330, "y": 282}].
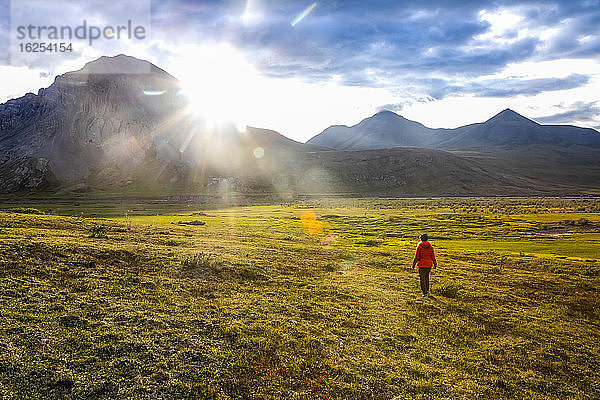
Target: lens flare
[
  {"x": 218, "y": 82},
  {"x": 303, "y": 14},
  {"x": 259, "y": 152},
  {"x": 310, "y": 222},
  {"x": 242, "y": 128},
  {"x": 154, "y": 92},
  {"x": 329, "y": 240}
]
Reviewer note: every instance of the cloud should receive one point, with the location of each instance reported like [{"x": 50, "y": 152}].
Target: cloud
[
  {"x": 585, "y": 113},
  {"x": 425, "y": 90},
  {"x": 508, "y": 87},
  {"x": 527, "y": 87},
  {"x": 378, "y": 43},
  {"x": 386, "y": 43},
  {"x": 431, "y": 47},
  {"x": 4, "y": 32}
]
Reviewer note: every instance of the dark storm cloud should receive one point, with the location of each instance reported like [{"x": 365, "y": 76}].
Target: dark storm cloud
[{"x": 378, "y": 39}]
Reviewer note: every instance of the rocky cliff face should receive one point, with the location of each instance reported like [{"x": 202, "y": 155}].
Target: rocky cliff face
[
  {"x": 26, "y": 173},
  {"x": 107, "y": 113}
]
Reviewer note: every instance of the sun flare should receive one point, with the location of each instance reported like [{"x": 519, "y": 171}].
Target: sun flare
[{"x": 218, "y": 83}]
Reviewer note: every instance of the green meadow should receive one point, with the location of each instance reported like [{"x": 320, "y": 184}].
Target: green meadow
[{"x": 311, "y": 299}]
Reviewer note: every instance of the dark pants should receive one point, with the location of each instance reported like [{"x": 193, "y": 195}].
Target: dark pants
[{"x": 424, "y": 277}]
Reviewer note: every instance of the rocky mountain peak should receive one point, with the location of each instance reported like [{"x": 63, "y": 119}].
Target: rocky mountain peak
[
  {"x": 509, "y": 115},
  {"x": 120, "y": 64},
  {"x": 387, "y": 115}
]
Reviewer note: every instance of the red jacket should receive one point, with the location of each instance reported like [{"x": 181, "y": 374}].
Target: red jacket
[{"x": 425, "y": 256}]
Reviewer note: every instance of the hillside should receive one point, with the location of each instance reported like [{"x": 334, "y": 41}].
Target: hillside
[
  {"x": 122, "y": 121},
  {"x": 121, "y": 125},
  {"x": 510, "y": 130},
  {"x": 415, "y": 172},
  {"x": 96, "y": 116}
]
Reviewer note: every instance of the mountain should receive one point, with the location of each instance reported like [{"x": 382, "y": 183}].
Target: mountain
[
  {"x": 383, "y": 130},
  {"x": 121, "y": 126},
  {"x": 509, "y": 129},
  {"x": 95, "y": 116},
  {"x": 117, "y": 121}
]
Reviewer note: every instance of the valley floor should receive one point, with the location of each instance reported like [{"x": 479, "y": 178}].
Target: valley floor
[{"x": 309, "y": 300}]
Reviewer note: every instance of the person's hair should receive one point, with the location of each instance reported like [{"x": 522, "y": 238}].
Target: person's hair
[{"x": 424, "y": 237}]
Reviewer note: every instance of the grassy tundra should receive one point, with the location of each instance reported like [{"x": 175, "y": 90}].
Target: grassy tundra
[{"x": 313, "y": 300}]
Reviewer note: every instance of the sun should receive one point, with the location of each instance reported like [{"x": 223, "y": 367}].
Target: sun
[{"x": 218, "y": 83}]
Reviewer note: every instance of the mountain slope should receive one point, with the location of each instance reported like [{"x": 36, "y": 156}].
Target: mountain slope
[
  {"x": 414, "y": 172},
  {"x": 383, "y": 130},
  {"x": 508, "y": 144},
  {"x": 120, "y": 120}
]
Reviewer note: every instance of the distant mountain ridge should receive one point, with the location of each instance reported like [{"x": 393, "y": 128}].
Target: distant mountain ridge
[
  {"x": 387, "y": 129},
  {"x": 507, "y": 143}
]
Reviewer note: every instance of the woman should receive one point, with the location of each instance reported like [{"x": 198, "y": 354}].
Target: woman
[{"x": 425, "y": 258}]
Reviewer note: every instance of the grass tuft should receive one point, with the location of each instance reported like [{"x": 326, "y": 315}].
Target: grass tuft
[
  {"x": 202, "y": 264},
  {"x": 451, "y": 289},
  {"x": 99, "y": 231}
]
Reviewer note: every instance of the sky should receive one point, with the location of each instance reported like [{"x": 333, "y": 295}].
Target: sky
[{"x": 299, "y": 66}]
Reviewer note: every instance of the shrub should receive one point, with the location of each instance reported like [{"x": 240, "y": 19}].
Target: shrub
[
  {"x": 495, "y": 269},
  {"x": 201, "y": 264},
  {"x": 26, "y": 210},
  {"x": 194, "y": 222},
  {"x": 98, "y": 231},
  {"x": 330, "y": 267}
]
